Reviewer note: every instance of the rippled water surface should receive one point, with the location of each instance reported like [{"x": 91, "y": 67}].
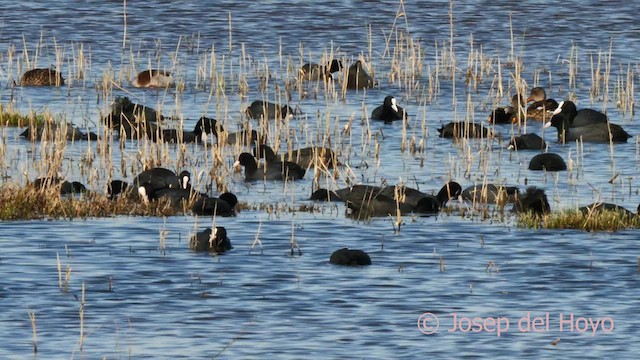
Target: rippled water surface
[{"x": 147, "y": 296}]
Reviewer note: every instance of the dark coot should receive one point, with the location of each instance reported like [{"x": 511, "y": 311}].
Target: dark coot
[
  {"x": 547, "y": 162},
  {"x": 461, "y": 129},
  {"x": 213, "y": 241},
  {"x": 490, "y": 193},
  {"x": 579, "y": 118},
  {"x": 53, "y": 131},
  {"x": 315, "y": 72},
  {"x": 358, "y": 77},
  {"x": 272, "y": 170},
  {"x": 349, "y": 257},
  {"x": 212, "y": 206},
  {"x": 389, "y": 111},
  {"x": 203, "y": 127},
  {"x": 534, "y": 200},
  {"x": 161, "y": 178},
  {"x": 527, "y": 142},
  {"x": 597, "y": 132},
  {"x": 263, "y": 109}
]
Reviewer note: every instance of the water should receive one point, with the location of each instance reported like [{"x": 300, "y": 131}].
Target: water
[{"x": 166, "y": 301}]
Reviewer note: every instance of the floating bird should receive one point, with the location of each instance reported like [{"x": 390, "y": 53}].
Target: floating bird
[
  {"x": 65, "y": 187},
  {"x": 305, "y": 157},
  {"x": 602, "y": 207},
  {"x": 133, "y": 120},
  {"x": 490, "y": 194},
  {"x": 596, "y": 132},
  {"x": 263, "y": 109},
  {"x": 579, "y": 118},
  {"x": 52, "y": 130},
  {"x": 358, "y": 78},
  {"x": 161, "y": 178},
  {"x": 388, "y": 111},
  {"x": 462, "y": 129},
  {"x": 542, "y": 108},
  {"x": 243, "y": 137},
  {"x": 203, "y": 127},
  {"x": 368, "y": 201},
  {"x": 272, "y": 170},
  {"x": 547, "y": 162},
  {"x": 42, "y": 77},
  {"x": 117, "y": 188},
  {"x": 154, "y": 79},
  {"x": 221, "y": 206},
  {"x": 315, "y": 72},
  {"x": 508, "y": 114},
  {"x": 527, "y": 142},
  {"x": 213, "y": 241},
  {"x": 534, "y": 200},
  {"x": 349, "y": 257}
]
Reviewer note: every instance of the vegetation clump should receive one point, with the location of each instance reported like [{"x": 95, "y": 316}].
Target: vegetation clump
[
  {"x": 11, "y": 118},
  {"x": 604, "y": 220}
]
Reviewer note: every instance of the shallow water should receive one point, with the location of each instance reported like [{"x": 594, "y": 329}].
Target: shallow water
[{"x": 166, "y": 301}]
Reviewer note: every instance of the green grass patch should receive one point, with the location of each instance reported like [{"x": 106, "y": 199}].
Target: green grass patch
[
  {"x": 11, "y": 118},
  {"x": 573, "y": 219}
]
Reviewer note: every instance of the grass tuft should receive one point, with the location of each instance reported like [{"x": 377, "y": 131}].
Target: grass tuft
[{"x": 573, "y": 219}]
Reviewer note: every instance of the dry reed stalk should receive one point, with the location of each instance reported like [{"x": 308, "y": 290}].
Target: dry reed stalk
[
  {"x": 82, "y": 304},
  {"x": 124, "y": 21},
  {"x": 257, "y": 239},
  {"x": 32, "y": 319},
  {"x": 573, "y": 66}
]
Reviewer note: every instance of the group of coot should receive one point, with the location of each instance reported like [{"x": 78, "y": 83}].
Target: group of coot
[{"x": 131, "y": 120}]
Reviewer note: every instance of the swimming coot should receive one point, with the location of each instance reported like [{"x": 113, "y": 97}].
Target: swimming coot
[
  {"x": 490, "y": 194},
  {"x": 203, "y": 127},
  {"x": 272, "y": 170},
  {"x": 263, "y": 109},
  {"x": 315, "y": 72},
  {"x": 534, "y": 200},
  {"x": 547, "y": 162},
  {"x": 596, "y": 132},
  {"x": 133, "y": 120},
  {"x": 215, "y": 240},
  {"x": 579, "y": 118},
  {"x": 348, "y": 257},
  {"x": 368, "y": 200},
  {"x": 358, "y": 78},
  {"x": 508, "y": 114},
  {"x": 52, "y": 131},
  {"x": 601, "y": 207},
  {"x": 305, "y": 157},
  {"x": 220, "y": 206},
  {"x": 389, "y": 111},
  {"x": 65, "y": 187},
  {"x": 161, "y": 178},
  {"x": 462, "y": 129},
  {"x": 527, "y": 142}
]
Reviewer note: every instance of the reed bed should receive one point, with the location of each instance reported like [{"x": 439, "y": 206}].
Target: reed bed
[{"x": 419, "y": 73}]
